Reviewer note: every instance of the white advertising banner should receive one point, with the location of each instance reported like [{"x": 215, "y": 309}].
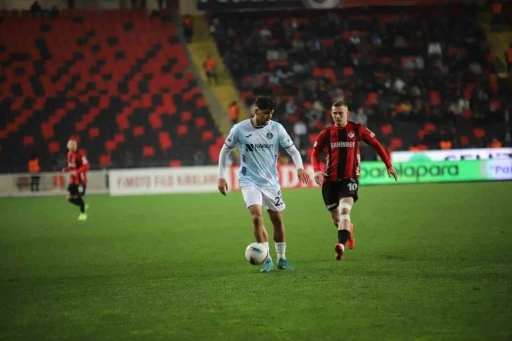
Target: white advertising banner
[
  {"x": 287, "y": 177},
  {"x": 164, "y": 180},
  {"x": 48, "y": 183},
  {"x": 453, "y": 155}
]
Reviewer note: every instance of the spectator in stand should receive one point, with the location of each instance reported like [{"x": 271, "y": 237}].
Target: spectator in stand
[
  {"x": 210, "y": 67},
  {"x": 234, "y": 112},
  {"x": 138, "y": 4},
  {"x": 199, "y": 158},
  {"x": 188, "y": 27},
  {"x": 300, "y": 131},
  {"x": 34, "y": 169},
  {"x": 508, "y": 58},
  {"x": 445, "y": 62},
  {"x": 498, "y": 19}
]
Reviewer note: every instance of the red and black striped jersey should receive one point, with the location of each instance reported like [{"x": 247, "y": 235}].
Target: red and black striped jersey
[
  {"x": 77, "y": 161},
  {"x": 342, "y": 145}
]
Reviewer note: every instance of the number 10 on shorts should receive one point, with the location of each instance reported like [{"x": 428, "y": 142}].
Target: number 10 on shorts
[{"x": 352, "y": 187}]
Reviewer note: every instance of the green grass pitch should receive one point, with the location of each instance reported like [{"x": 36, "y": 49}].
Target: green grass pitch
[{"x": 432, "y": 262}]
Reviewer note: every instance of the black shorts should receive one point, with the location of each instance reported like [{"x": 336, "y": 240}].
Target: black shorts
[
  {"x": 76, "y": 189},
  {"x": 333, "y": 191}
]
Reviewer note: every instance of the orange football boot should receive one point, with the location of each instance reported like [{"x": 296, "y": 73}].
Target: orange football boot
[{"x": 351, "y": 242}]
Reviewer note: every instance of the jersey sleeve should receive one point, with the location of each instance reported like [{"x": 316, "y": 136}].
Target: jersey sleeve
[
  {"x": 84, "y": 163},
  {"x": 369, "y": 137},
  {"x": 318, "y": 148},
  {"x": 232, "y": 139},
  {"x": 284, "y": 138}
]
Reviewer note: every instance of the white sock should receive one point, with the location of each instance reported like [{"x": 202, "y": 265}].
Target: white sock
[
  {"x": 281, "y": 250},
  {"x": 268, "y": 248}
]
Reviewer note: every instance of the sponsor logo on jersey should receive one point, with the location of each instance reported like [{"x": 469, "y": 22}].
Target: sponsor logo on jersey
[
  {"x": 342, "y": 145},
  {"x": 250, "y": 147}
]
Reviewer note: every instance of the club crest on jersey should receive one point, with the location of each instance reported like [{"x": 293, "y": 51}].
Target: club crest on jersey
[
  {"x": 351, "y": 134},
  {"x": 270, "y": 136}
]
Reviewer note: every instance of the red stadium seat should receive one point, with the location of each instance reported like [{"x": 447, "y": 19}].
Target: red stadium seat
[
  {"x": 148, "y": 151},
  {"x": 110, "y": 146},
  {"x": 186, "y": 116},
  {"x": 435, "y": 98},
  {"x": 479, "y": 132},
  {"x": 138, "y": 131},
  {"x": 119, "y": 138},
  {"x": 200, "y": 122},
  {"x": 386, "y": 129},
  {"x": 396, "y": 143},
  {"x": 94, "y": 132},
  {"x": 105, "y": 160},
  {"x": 207, "y": 135},
  {"x": 28, "y": 140},
  {"x": 54, "y": 147},
  {"x": 182, "y": 130},
  {"x": 165, "y": 140}
]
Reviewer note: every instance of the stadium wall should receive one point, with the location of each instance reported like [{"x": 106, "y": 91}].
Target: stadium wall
[
  {"x": 204, "y": 179},
  {"x": 148, "y": 181},
  {"x": 50, "y": 183}
]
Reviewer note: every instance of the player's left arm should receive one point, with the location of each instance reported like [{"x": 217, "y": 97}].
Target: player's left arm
[
  {"x": 369, "y": 137},
  {"x": 286, "y": 142},
  {"x": 84, "y": 164}
]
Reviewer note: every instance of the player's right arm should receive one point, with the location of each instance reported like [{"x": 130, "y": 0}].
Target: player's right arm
[
  {"x": 318, "y": 148},
  {"x": 229, "y": 144}
]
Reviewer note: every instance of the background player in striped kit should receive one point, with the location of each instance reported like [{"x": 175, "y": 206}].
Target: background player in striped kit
[
  {"x": 77, "y": 166},
  {"x": 339, "y": 180}
]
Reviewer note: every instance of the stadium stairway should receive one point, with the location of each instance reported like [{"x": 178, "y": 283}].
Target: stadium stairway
[
  {"x": 498, "y": 41},
  {"x": 202, "y": 45}
]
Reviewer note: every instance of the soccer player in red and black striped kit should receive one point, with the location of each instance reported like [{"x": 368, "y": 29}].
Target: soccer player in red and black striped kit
[
  {"x": 339, "y": 180},
  {"x": 77, "y": 166}
]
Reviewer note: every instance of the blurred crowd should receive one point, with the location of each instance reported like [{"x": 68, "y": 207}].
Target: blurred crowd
[{"x": 411, "y": 68}]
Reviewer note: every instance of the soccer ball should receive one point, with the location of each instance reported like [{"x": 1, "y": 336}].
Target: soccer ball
[{"x": 256, "y": 253}]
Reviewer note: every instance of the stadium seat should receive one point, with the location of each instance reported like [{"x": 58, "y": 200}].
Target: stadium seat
[
  {"x": 105, "y": 160},
  {"x": 148, "y": 151},
  {"x": 54, "y": 147},
  {"x": 138, "y": 131},
  {"x": 94, "y": 133},
  {"x": 28, "y": 140},
  {"x": 165, "y": 140},
  {"x": 207, "y": 136},
  {"x": 386, "y": 129},
  {"x": 108, "y": 80}
]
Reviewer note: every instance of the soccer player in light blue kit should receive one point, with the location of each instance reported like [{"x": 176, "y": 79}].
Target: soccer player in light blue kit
[{"x": 258, "y": 140}]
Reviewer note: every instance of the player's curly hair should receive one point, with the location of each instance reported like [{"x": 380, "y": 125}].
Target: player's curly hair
[{"x": 264, "y": 103}]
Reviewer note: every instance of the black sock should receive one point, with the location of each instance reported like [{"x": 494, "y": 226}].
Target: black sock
[
  {"x": 78, "y": 202},
  {"x": 81, "y": 203},
  {"x": 74, "y": 201},
  {"x": 343, "y": 236}
]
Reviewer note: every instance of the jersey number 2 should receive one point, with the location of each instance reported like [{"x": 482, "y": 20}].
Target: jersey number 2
[{"x": 278, "y": 201}]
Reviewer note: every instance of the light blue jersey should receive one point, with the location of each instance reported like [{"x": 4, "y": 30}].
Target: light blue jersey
[{"x": 258, "y": 152}]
